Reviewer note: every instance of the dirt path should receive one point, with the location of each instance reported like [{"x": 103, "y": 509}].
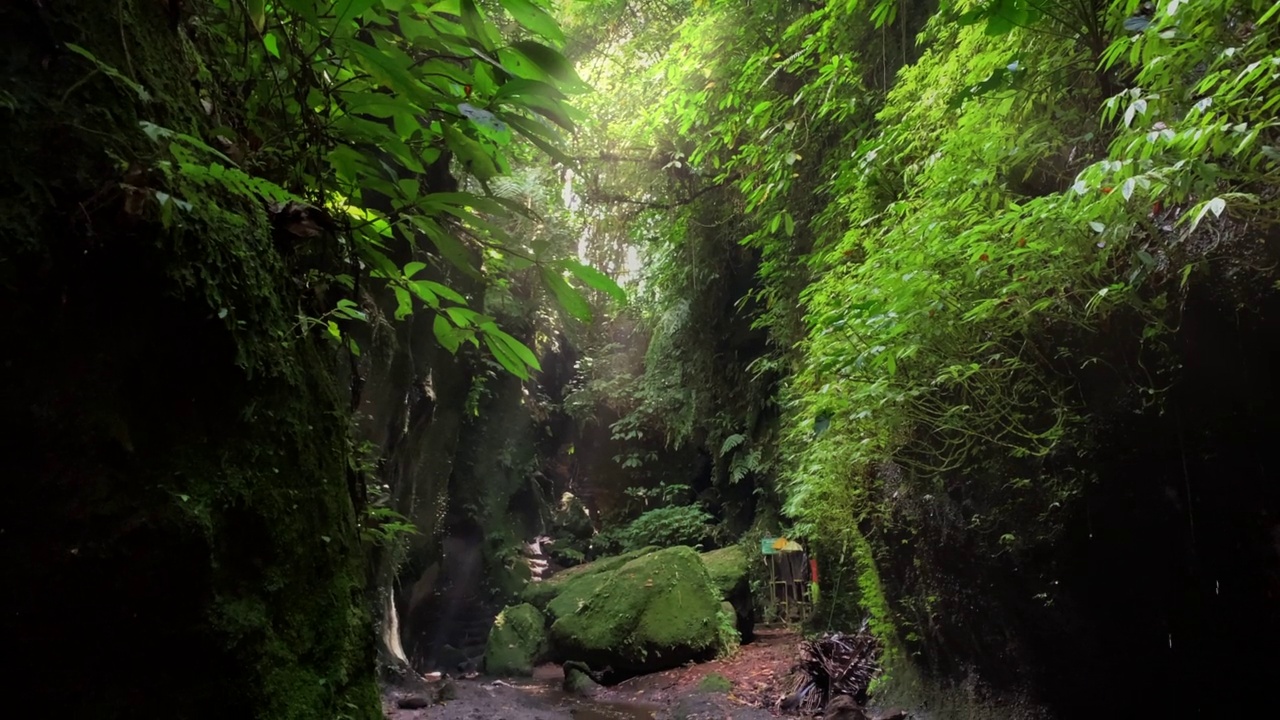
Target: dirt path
[{"x": 756, "y": 673}]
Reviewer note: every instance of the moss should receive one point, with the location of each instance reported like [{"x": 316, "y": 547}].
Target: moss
[
  {"x": 203, "y": 485},
  {"x": 656, "y": 611},
  {"x": 727, "y": 568},
  {"x": 715, "y": 683},
  {"x": 542, "y": 593},
  {"x": 577, "y": 681},
  {"x": 517, "y": 641},
  {"x": 728, "y": 639}
]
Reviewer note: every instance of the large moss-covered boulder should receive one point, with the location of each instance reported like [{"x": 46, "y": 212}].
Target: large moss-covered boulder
[
  {"x": 579, "y": 579},
  {"x": 727, "y": 568},
  {"x": 657, "y": 611},
  {"x": 517, "y": 641}
]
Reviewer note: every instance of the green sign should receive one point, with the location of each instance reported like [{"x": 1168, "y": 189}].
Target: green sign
[{"x": 766, "y": 546}]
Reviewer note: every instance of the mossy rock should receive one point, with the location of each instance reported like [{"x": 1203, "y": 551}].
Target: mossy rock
[
  {"x": 571, "y": 519},
  {"x": 655, "y": 612},
  {"x": 577, "y": 681},
  {"x": 727, "y": 568},
  {"x": 715, "y": 683},
  {"x": 517, "y": 641},
  {"x": 540, "y": 594},
  {"x": 510, "y": 580}
]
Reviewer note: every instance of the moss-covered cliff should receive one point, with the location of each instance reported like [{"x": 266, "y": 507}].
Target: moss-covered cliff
[{"x": 178, "y": 536}]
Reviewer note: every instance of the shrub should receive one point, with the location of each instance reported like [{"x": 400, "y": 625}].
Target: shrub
[{"x": 666, "y": 527}]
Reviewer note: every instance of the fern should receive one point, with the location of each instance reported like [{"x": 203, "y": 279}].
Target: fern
[
  {"x": 743, "y": 465},
  {"x": 733, "y": 441}
]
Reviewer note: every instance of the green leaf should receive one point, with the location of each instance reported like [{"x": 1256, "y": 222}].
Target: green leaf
[
  {"x": 471, "y": 153},
  {"x": 566, "y": 297},
  {"x": 347, "y": 10},
  {"x": 732, "y": 442},
  {"x": 403, "y": 302},
  {"x": 272, "y": 44},
  {"x": 449, "y": 337},
  {"x": 466, "y": 318},
  {"x": 413, "y": 268},
  {"x": 534, "y": 18},
  {"x": 445, "y": 292},
  {"x": 450, "y": 247},
  {"x": 140, "y": 91},
  {"x": 532, "y": 132},
  {"x": 525, "y": 87},
  {"x": 505, "y": 357},
  {"x": 476, "y": 25},
  {"x": 424, "y": 293},
  {"x": 596, "y": 279},
  {"x": 517, "y": 348},
  {"x": 257, "y": 10},
  {"x": 392, "y": 73},
  {"x": 551, "y": 62}
]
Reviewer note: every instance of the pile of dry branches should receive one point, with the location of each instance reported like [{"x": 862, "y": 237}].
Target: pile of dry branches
[{"x": 831, "y": 665}]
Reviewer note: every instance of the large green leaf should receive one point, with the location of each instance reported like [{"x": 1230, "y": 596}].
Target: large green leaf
[
  {"x": 444, "y": 291},
  {"x": 505, "y": 357},
  {"x": 596, "y": 280},
  {"x": 257, "y": 10},
  {"x": 449, "y": 337},
  {"x": 450, "y": 247},
  {"x": 517, "y": 348},
  {"x": 348, "y": 10},
  {"x": 552, "y": 63},
  {"x": 476, "y": 24},
  {"x": 471, "y": 153},
  {"x": 534, "y": 18},
  {"x": 524, "y": 87},
  {"x": 549, "y": 109},
  {"x": 566, "y": 297},
  {"x": 391, "y": 70}
]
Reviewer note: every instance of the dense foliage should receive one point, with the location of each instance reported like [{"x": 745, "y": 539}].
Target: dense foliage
[
  {"x": 943, "y": 242},
  {"x": 897, "y": 266}
]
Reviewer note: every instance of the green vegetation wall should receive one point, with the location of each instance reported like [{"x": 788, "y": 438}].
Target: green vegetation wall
[
  {"x": 178, "y": 536},
  {"x": 1016, "y": 262}
]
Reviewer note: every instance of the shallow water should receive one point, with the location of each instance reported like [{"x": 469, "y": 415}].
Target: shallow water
[{"x": 548, "y": 687}]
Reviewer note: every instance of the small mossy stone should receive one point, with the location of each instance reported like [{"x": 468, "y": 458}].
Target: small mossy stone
[
  {"x": 517, "y": 641},
  {"x": 578, "y": 682},
  {"x": 412, "y": 702},
  {"x": 715, "y": 683}
]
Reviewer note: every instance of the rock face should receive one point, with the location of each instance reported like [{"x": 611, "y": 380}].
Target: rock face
[
  {"x": 179, "y": 475},
  {"x": 727, "y": 568},
  {"x": 656, "y": 611},
  {"x": 517, "y": 641}
]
